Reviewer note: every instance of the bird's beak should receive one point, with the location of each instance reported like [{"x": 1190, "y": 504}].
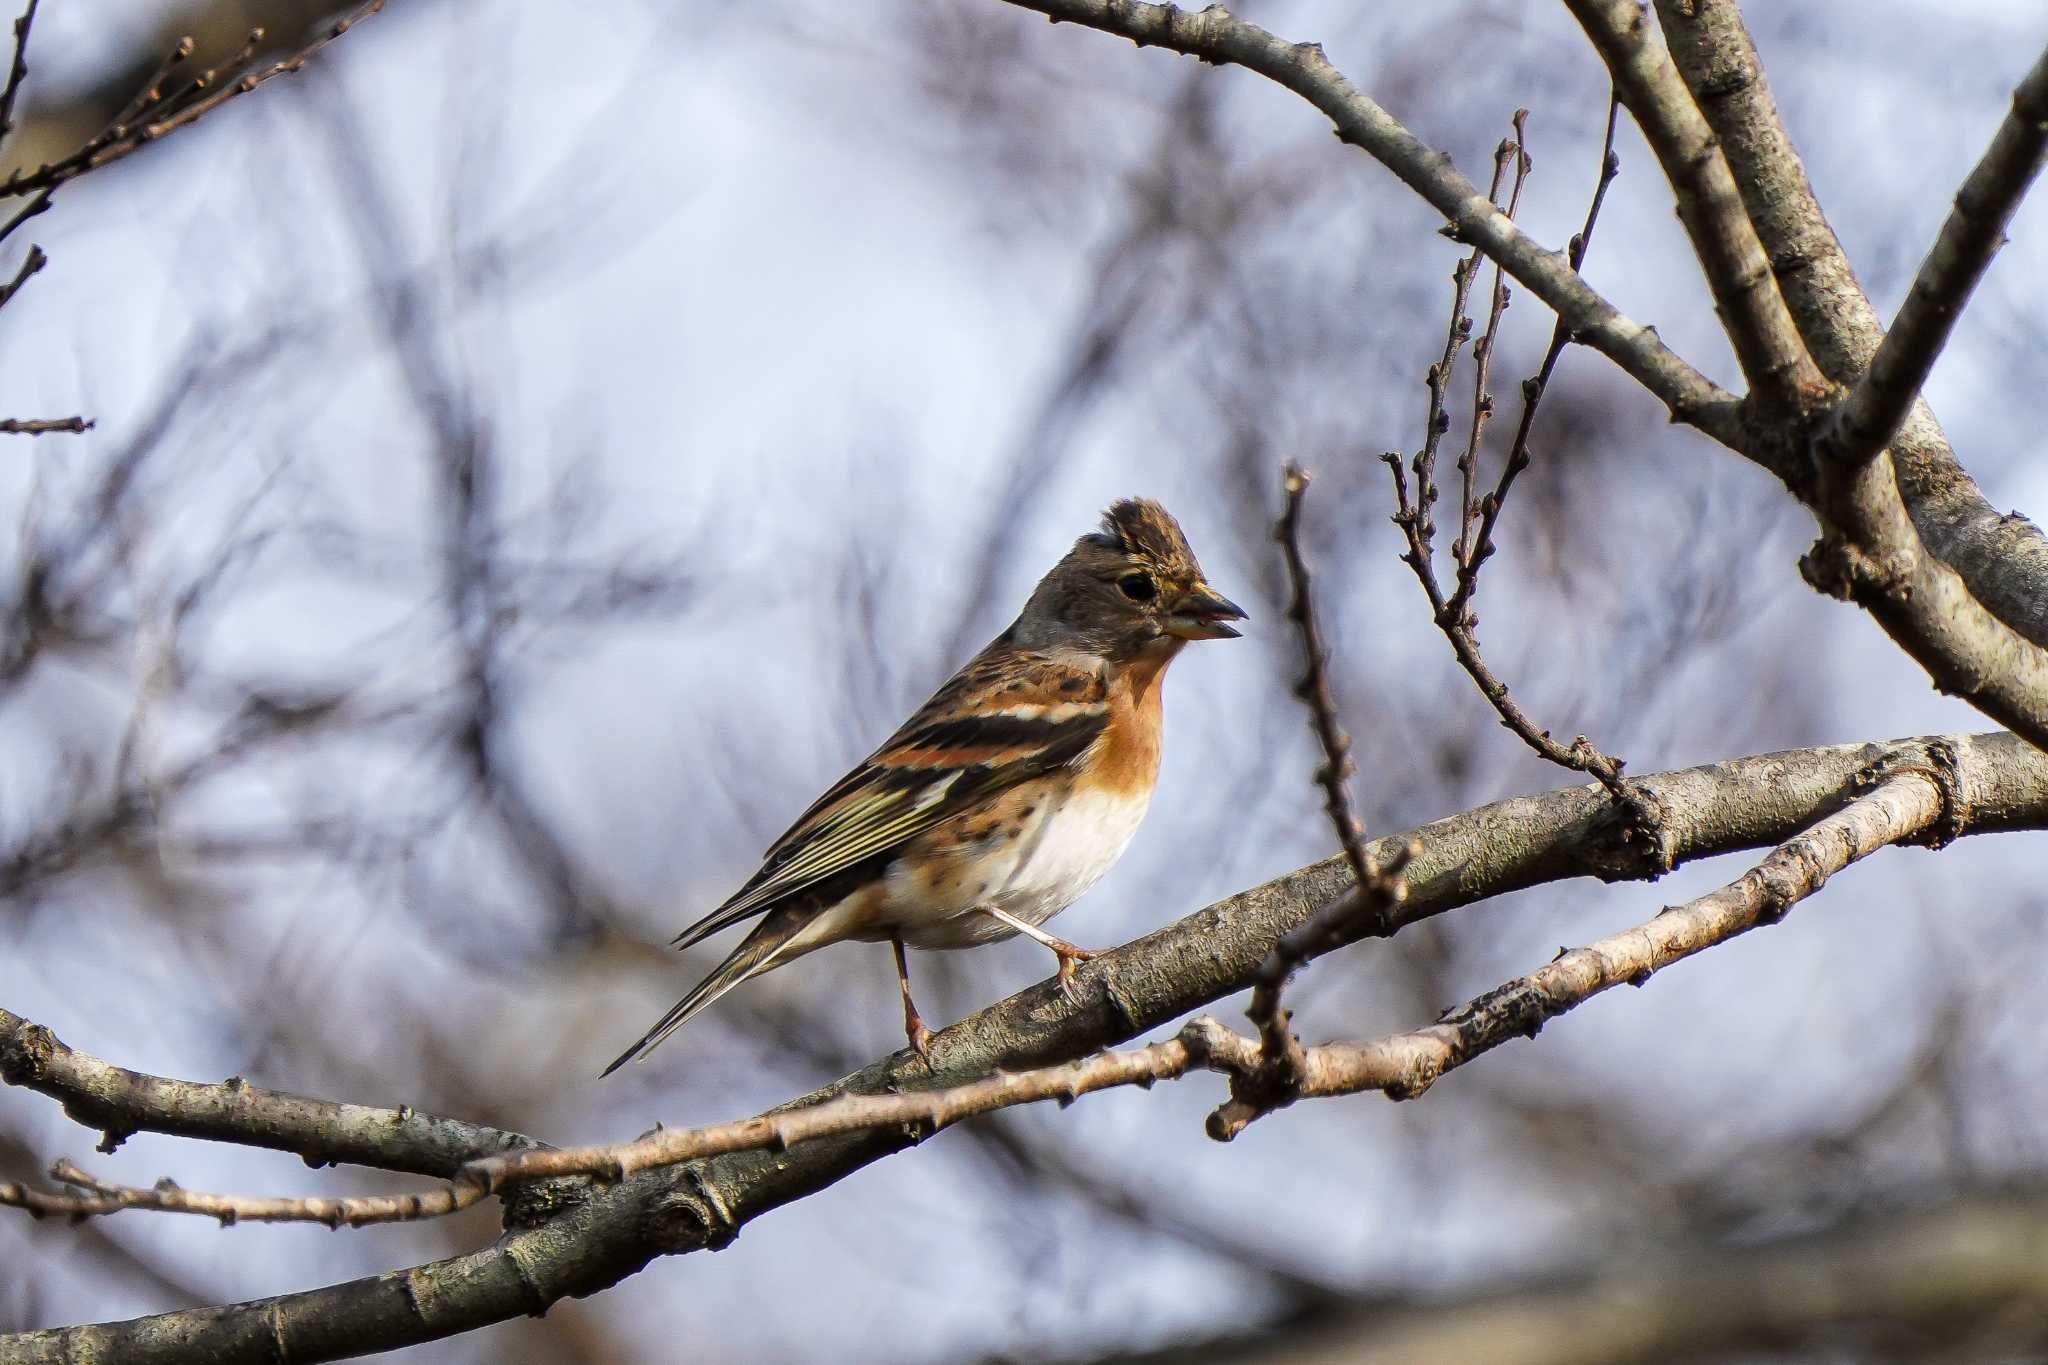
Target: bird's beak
[{"x": 1201, "y": 613}]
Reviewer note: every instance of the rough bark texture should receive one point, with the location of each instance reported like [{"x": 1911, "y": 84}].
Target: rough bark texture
[
  {"x": 572, "y": 1239},
  {"x": 2002, "y": 556}
]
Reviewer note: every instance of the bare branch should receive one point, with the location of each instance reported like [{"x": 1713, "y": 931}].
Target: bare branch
[
  {"x": 593, "y": 1238},
  {"x": 1312, "y": 689},
  {"x": 1452, "y": 614},
  {"x": 92, "y": 1197},
  {"x": 1713, "y": 52},
  {"x": 1216, "y": 35},
  {"x": 120, "y": 1102},
  {"x": 34, "y": 261},
  {"x": 1913, "y": 796},
  {"x": 1870, "y": 553},
  {"x": 1419, "y": 520},
  {"x": 1481, "y": 545},
  {"x": 43, "y": 426},
  {"x": 1964, "y": 647},
  {"x": 1768, "y": 347},
  {"x": 158, "y": 110},
  {"x": 1377, "y": 888},
  {"x": 2003, "y": 559},
  {"x": 37, "y": 204},
  {"x": 19, "y": 71},
  {"x": 1511, "y": 150},
  {"x": 1913, "y": 792},
  {"x": 153, "y": 92},
  {"x": 1870, "y": 417}
]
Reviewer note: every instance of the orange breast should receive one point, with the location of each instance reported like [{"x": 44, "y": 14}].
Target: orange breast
[{"x": 1128, "y": 757}]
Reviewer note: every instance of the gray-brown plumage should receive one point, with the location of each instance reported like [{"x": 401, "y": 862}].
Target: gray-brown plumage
[{"x": 1007, "y": 794}]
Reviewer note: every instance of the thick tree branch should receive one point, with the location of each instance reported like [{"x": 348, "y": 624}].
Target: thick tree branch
[
  {"x": 1871, "y": 416},
  {"x": 568, "y": 1241},
  {"x": 1870, "y": 553},
  {"x": 1216, "y": 35},
  {"x": 2003, "y": 559},
  {"x": 1964, "y": 647},
  {"x": 120, "y": 1103},
  {"x": 1913, "y": 791},
  {"x": 1767, "y": 345}
]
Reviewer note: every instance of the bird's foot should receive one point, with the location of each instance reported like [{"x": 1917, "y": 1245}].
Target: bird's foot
[
  {"x": 920, "y": 1037},
  {"x": 1069, "y": 954}
]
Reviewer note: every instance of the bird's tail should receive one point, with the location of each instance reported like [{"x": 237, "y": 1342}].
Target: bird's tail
[{"x": 757, "y": 952}]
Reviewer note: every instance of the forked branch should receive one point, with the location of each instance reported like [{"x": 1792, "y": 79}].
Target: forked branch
[
  {"x": 1216, "y": 35},
  {"x": 1910, "y": 793},
  {"x": 164, "y": 105},
  {"x": 1480, "y": 518}
]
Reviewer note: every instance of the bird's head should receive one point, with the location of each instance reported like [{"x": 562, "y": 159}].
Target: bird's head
[{"x": 1131, "y": 588}]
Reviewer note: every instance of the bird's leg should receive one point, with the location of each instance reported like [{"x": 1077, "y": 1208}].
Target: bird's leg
[
  {"x": 1067, "y": 953},
  {"x": 913, "y": 1022}
]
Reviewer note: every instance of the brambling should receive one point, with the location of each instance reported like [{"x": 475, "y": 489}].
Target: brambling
[{"x": 1006, "y": 796}]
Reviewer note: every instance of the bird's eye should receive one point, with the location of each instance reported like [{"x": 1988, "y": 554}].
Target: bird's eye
[{"x": 1139, "y": 587}]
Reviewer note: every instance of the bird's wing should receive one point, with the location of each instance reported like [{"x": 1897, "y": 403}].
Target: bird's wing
[{"x": 1006, "y": 717}]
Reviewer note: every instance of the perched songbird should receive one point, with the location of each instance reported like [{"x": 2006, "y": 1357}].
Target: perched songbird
[{"x": 1006, "y": 796}]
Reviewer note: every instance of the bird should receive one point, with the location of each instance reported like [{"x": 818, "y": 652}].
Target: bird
[{"x": 1005, "y": 796}]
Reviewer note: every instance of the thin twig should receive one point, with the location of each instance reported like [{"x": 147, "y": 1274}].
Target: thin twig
[
  {"x": 37, "y": 204},
  {"x": 781, "y": 1130},
  {"x": 1512, "y": 149},
  {"x": 1437, "y": 380},
  {"x": 1452, "y": 613},
  {"x": 19, "y": 71},
  {"x": 1312, "y": 689},
  {"x": 34, "y": 261},
  {"x": 1214, "y": 34},
  {"x": 91, "y": 1197},
  {"x": 1376, "y": 890},
  {"x": 43, "y": 426},
  {"x": 152, "y": 92},
  {"x": 1867, "y": 420},
  {"x": 156, "y": 111},
  {"x": 1533, "y": 389}
]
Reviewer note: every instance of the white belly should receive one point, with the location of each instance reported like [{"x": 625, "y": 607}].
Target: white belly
[{"x": 1064, "y": 852}]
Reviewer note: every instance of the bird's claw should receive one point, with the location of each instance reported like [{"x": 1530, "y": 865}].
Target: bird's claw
[
  {"x": 1068, "y": 957},
  {"x": 920, "y": 1039}
]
